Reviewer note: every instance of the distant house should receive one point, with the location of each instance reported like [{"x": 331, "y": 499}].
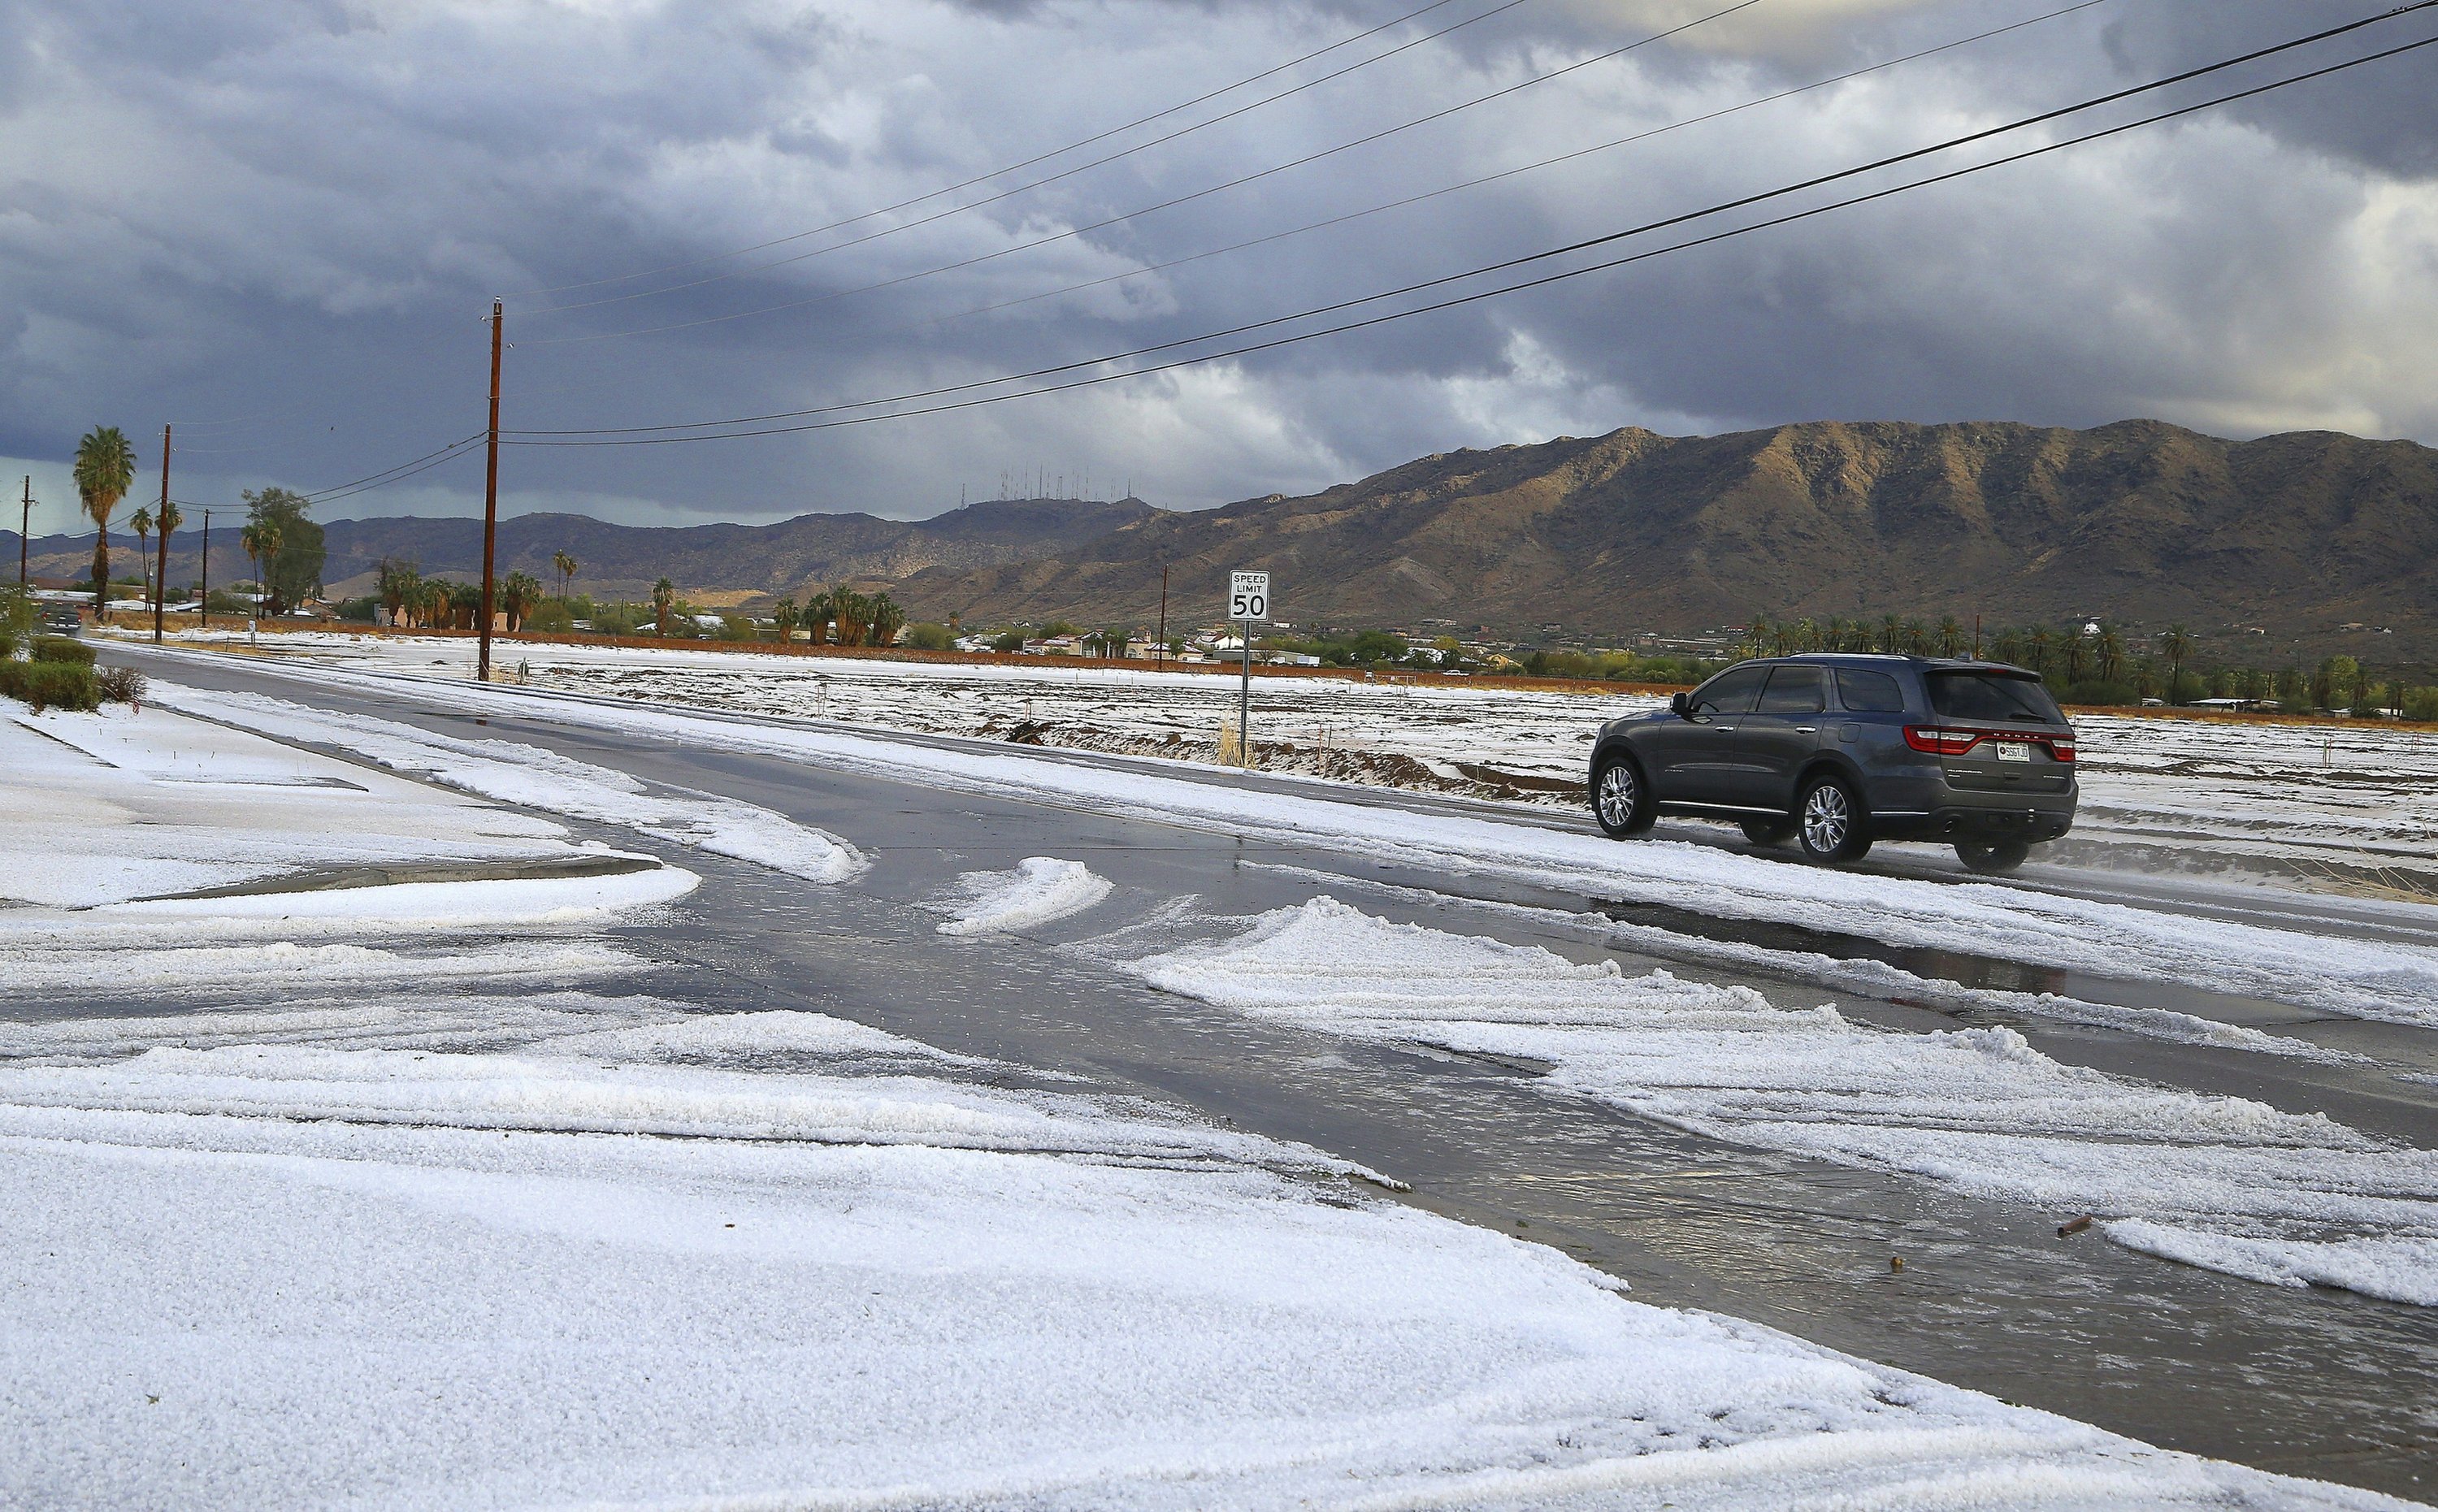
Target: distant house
[{"x": 1061, "y": 645}]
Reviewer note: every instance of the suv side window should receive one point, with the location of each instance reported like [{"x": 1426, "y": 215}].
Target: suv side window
[
  {"x": 1871, "y": 693},
  {"x": 1793, "y": 690},
  {"x": 1730, "y": 693}
]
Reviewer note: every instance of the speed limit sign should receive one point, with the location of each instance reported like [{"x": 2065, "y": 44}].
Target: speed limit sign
[{"x": 1249, "y": 597}]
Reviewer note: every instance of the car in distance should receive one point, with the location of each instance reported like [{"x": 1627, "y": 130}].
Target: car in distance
[{"x": 1836, "y": 751}]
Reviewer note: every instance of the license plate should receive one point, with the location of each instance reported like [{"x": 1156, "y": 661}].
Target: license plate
[{"x": 2013, "y": 751}]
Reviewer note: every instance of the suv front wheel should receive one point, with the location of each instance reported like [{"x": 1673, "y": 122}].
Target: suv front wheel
[
  {"x": 1831, "y": 822},
  {"x": 1621, "y": 799}
]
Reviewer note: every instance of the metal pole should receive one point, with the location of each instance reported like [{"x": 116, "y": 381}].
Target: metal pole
[
  {"x": 1245, "y": 699},
  {"x": 1163, "y": 617},
  {"x": 161, "y": 578},
  {"x": 203, "y": 594},
  {"x": 25, "y": 523},
  {"x": 490, "y": 503}
]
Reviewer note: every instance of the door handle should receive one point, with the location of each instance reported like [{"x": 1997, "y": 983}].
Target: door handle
[{"x": 1807, "y": 730}]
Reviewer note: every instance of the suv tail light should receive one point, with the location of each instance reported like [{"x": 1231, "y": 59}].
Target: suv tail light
[
  {"x": 1941, "y": 742},
  {"x": 1947, "y": 741}
]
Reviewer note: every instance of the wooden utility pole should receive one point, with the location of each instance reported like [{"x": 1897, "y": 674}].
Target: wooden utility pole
[
  {"x": 25, "y": 523},
  {"x": 161, "y": 579},
  {"x": 1163, "y": 619},
  {"x": 203, "y": 593},
  {"x": 490, "y": 503}
]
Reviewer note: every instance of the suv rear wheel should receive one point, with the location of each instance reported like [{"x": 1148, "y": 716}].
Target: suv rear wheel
[
  {"x": 1992, "y": 857},
  {"x": 1832, "y": 821},
  {"x": 1621, "y": 799}
]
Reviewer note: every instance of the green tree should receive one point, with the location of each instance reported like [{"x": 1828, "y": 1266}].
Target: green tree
[
  {"x": 2109, "y": 652},
  {"x": 783, "y": 615},
  {"x": 292, "y": 570},
  {"x": 664, "y": 598},
  {"x": 105, "y": 469},
  {"x": 819, "y": 608},
  {"x": 563, "y": 563},
  {"x": 1951, "y": 637},
  {"x": 929, "y": 637}
]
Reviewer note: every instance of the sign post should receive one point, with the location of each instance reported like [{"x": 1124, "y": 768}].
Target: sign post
[{"x": 1248, "y": 604}]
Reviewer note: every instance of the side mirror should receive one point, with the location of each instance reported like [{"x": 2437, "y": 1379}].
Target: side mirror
[{"x": 1681, "y": 705}]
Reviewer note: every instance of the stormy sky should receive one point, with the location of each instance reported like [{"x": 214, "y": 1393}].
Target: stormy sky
[{"x": 280, "y": 223}]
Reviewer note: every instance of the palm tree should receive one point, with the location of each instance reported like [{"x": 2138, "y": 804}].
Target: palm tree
[
  {"x": 664, "y": 597},
  {"x": 783, "y": 616},
  {"x": 1951, "y": 637},
  {"x": 2175, "y": 643},
  {"x": 520, "y": 592},
  {"x": 261, "y": 542},
  {"x": 888, "y": 619},
  {"x": 170, "y": 519},
  {"x": 853, "y": 613},
  {"x": 2110, "y": 652},
  {"x": 105, "y": 469},
  {"x": 141, "y": 524},
  {"x": 2076, "y": 648},
  {"x": 819, "y": 609},
  {"x": 563, "y": 563}
]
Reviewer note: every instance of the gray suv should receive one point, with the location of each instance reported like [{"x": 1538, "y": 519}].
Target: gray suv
[{"x": 1837, "y": 750}]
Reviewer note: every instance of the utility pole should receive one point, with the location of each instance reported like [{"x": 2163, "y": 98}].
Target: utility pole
[
  {"x": 1163, "y": 619},
  {"x": 491, "y": 502},
  {"x": 25, "y": 523},
  {"x": 161, "y": 579},
  {"x": 203, "y": 593}
]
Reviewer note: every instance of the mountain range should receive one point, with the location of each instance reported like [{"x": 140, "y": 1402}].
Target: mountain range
[
  {"x": 2140, "y": 522},
  {"x": 2292, "y": 535}
]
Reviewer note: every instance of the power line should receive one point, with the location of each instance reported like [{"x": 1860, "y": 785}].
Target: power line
[
  {"x": 1377, "y": 209},
  {"x": 404, "y": 469},
  {"x": 1054, "y": 178},
  {"x": 1647, "y": 227},
  {"x": 1114, "y": 219}
]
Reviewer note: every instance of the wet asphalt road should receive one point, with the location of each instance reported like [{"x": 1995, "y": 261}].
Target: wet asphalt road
[{"x": 2315, "y": 1382}]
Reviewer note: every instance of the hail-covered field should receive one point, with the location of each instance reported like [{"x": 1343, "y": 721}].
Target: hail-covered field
[{"x": 2350, "y": 800}]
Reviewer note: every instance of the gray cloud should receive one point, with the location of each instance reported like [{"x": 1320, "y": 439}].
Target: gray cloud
[{"x": 293, "y": 217}]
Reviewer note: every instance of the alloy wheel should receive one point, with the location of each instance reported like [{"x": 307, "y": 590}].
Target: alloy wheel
[
  {"x": 1827, "y": 819},
  {"x": 1618, "y": 794}
]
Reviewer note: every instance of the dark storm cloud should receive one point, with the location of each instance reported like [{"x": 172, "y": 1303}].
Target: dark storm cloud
[{"x": 292, "y": 218}]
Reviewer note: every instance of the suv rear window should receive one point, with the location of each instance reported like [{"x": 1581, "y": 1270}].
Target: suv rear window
[
  {"x": 1869, "y": 692},
  {"x": 1969, "y": 696}
]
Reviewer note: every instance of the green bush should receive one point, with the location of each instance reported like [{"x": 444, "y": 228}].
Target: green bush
[
  {"x": 50, "y": 684},
  {"x": 2420, "y": 703},
  {"x": 926, "y": 637},
  {"x": 120, "y": 685},
  {"x": 549, "y": 618},
  {"x": 62, "y": 648}
]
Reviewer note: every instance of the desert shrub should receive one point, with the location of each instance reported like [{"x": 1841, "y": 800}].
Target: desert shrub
[
  {"x": 1011, "y": 640},
  {"x": 50, "y": 684},
  {"x": 737, "y": 627},
  {"x": 62, "y": 648},
  {"x": 120, "y": 685},
  {"x": 550, "y": 617},
  {"x": 927, "y": 638}
]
